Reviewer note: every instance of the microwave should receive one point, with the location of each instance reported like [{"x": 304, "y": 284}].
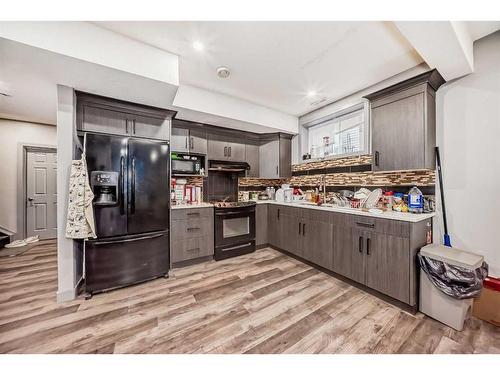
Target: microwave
[{"x": 187, "y": 164}]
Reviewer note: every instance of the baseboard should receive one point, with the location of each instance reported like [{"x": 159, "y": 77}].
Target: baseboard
[
  {"x": 66, "y": 295},
  {"x": 69, "y": 295}
]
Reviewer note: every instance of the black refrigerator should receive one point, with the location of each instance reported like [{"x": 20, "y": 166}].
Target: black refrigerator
[{"x": 130, "y": 180}]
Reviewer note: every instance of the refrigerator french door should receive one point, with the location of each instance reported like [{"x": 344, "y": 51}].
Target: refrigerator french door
[{"x": 132, "y": 230}]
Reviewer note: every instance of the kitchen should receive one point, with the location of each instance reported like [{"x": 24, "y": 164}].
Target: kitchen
[{"x": 184, "y": 230}]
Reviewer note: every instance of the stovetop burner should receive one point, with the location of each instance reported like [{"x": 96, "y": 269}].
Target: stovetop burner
[{"x": 224, "y": 204}]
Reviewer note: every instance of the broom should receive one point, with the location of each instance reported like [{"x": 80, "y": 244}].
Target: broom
[{"x": 447, "y": 240}]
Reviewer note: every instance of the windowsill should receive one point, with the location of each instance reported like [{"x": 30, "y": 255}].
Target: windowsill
[{"x": 333, "y": 157}]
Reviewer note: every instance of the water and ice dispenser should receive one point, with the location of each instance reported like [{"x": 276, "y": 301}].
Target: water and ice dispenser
[{"x": 105, "y": 187}]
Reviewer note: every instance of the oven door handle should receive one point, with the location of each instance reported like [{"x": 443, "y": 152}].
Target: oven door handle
[
  {"x": 229, "y": 213},
  {"x": 237, "y": 247}
]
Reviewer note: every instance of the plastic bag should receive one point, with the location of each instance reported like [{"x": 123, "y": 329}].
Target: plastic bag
[{"x": 454, "y": 281}]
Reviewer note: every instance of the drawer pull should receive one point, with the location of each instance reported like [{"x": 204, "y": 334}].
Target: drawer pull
[
  {"x": 367, "y": 246},
  {"x": 197, "y": 249},
  {"x": 193, "y": 214},
  {"x": 360, "y": 244},
  {"x": 193, "y": 228},
  {"x": 368, "y": 225}
]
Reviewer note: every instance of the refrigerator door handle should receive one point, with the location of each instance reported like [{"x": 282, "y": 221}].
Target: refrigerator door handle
[
  {"x": 122, "y": 185},
  {"x": 132, "y": 188},
  {"x": 128, "y": 240}
]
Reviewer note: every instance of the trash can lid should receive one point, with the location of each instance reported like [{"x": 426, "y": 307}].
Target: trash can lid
[{"x": 453, "y": 256}]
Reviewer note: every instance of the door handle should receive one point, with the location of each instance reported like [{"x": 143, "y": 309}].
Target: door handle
[
  {"x": 191, "y": 143},
  {"x": 193, "y": 214},
  {"x": 360, "y": 244},
  {"x": 30, "y": 200},
  {"x": 192, "y": 228},
  {"x": 277, "y": 171},
  {"x": 225, "y": 151},
  {"x": 132, "y": 188},
  {"x": 367, "y": 246},
  {"x": 304, "y": 229},
  {"x": 122, "y": 185},
  {"x": 186, "y": 143},
  {"x": 229, "y": 150},
  {"x": 278, "y": 213},
  {"x": 300, "y": 224},
  {"x": 377, "y": 157}
]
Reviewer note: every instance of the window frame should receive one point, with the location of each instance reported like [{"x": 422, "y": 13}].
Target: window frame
[{"x": 365, "y": 107}]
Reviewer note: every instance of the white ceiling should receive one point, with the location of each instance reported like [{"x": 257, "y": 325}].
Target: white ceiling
[{"x": 276, "y": 63}]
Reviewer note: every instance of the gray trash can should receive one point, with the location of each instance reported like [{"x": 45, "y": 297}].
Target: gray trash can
[{"x": 443, "y": 296}]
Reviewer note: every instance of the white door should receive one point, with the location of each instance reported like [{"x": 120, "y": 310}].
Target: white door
[{"x": 41, "y": 194}]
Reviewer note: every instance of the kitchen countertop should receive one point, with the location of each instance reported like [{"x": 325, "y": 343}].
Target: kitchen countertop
[
  {"x": 391, "y": 215},
  {"x": 187, "y": 206}
]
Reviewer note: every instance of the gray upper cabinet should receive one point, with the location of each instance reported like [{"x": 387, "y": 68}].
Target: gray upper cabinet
[
  {"x": 252, "y": 158},
  {"x": 269, "y": 159},
  {"x": 403, "y": 124},
  {"x": 275, "y": 157},
  {"x": 198, "y": 142},
  {"x": 225, "y": 148},
  {"x": 186, "y": 140},
  {"x": 104, "y": 115},
  {"x": 180, "y": 140}
]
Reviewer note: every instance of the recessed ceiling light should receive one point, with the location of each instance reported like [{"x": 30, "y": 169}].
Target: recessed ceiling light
[
  {"x": 198, "y": 46},
  {"x": 223, "y": 72},
  {"x": 311, "y": 93}
]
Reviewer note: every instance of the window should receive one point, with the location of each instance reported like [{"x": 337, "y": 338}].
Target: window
[{"x": 341, "y": 134}]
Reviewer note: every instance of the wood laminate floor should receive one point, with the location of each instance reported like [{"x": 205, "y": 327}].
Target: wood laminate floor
[{"x": 265, "y": 302}]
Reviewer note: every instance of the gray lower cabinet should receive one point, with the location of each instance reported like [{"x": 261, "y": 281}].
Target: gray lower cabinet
[
  {"x": 192, "y": 234},
  {"x": 274, "y": 225},
  {"x": 261, "y": 220},
  {"x": 378, "y": 253}
]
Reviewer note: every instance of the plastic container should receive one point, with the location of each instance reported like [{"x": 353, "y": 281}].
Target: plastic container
[
  {"x": 415, "y": 201},
  {"x": 434, "y": 302}
]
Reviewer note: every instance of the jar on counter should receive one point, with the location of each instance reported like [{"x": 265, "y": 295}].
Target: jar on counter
[{"x": 388, "y": 200}]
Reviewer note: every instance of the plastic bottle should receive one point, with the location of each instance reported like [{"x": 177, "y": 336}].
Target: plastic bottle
[{"x": 415, "y": 201}]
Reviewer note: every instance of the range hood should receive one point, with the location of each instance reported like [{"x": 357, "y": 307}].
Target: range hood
[{"x": 228, "y": 166}]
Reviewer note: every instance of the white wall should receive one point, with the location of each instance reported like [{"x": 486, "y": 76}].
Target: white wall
[
  {"x": 12, "y": 134},
  {"x": 468, "y": 134},
  {"x": 68, "y": 259}
]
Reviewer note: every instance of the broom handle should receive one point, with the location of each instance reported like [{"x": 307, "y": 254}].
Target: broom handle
[{"x": 438, "y": 158}]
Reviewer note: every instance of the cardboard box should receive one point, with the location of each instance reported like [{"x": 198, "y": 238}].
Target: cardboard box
[{"x": 487, "y": 305}]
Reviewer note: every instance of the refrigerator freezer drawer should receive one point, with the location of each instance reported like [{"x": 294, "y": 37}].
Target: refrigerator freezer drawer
[{"x": 116, "y": 262}]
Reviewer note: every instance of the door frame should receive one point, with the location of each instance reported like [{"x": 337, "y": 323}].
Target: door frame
[{"x": 22, "y": 161}]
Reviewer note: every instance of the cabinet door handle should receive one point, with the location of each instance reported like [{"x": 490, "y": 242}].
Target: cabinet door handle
[
  {"x": 229, "y": 151},
  {"x": 377, "y": 157},
  {"x": 193, "y": 214},
  {"x": 191, "y": 143},
  {"x": 300, "y": 224},
  {"x": 360, "y": 244},
  {"x": 193, "y": 249},
  {"x": 186, "y": 146},
  {"x": 225, "y": 151},
  {"x": 192, "y": 228},
  {"x": 368, "y": 225},
  {"x": 277, "y": 171},
  {"x": 278, "y": 213},
  {"x": 304, "y": 229},
  {"x": 367, "y": 246}
]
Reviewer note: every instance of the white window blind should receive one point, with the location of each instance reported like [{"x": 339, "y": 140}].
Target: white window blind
[{"x": 346, "y": 135}]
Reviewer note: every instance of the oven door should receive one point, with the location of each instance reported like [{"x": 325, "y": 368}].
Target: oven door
[
  {"x": 234, "y": 225},
  {"x": 180, "y": 166}
]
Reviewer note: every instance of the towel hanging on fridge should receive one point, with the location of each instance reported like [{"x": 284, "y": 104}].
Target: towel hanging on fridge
[{"x": 80, "y": 219}]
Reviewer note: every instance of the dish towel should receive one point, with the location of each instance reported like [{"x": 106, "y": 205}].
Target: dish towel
[{"x": 80, "y": 221}]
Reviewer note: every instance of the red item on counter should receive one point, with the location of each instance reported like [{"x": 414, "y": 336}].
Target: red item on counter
[{"x": 492, "y": 283}]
